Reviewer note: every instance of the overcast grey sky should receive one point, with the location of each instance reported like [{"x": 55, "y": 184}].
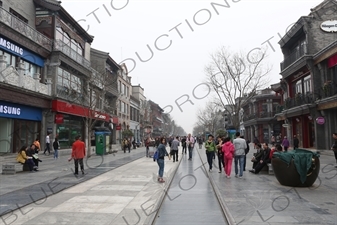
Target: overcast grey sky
[{"x": 190, "y": 31}]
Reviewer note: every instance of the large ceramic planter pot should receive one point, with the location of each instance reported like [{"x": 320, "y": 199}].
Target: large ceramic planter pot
[{"x": 287, "y": 174}]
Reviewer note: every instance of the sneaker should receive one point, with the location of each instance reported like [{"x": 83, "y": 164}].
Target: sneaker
[
  {"x": 210, "y": 170},
  {"x": 252, "y": 171},
  {"x": 83, "y": 172},
  {"x": 236, "y": 176},
  {"x": 219, "y": 171},
  {"x": 228, "y": 177},
  {"x": 240, "y": 177}
]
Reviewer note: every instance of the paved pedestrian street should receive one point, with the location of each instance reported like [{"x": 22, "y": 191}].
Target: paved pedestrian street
[{"x": 123, "y": 195}]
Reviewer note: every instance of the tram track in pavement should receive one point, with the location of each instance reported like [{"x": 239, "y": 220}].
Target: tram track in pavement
[{"x": 228, "y": 218}]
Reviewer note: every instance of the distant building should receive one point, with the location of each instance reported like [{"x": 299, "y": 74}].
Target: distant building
[
  {"x": 259, "y": 116},
  {"x": 309, "y": 78}
]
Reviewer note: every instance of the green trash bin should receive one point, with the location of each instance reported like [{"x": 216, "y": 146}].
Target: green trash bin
[{"x": 102, "y": 142}]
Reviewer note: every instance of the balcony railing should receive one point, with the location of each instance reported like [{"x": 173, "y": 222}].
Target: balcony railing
[
  {"x": 298, "y": 100},
  {"x": 24, "y": 29},
  {"x": 259, "y": 115},
  {"x": 294, "y": 56},
  {"x": 71, "y": 95},
  {"x": 67, "y": 50},
  {"x": 328, "y": 89}
]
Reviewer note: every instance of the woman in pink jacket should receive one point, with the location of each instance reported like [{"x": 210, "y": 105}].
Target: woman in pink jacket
[{"x": 228, "y": 153}]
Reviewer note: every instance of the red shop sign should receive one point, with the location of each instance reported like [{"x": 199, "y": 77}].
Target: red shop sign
[
  {"x": 59, "y": 118},
  {"x": 118, "y": 127}
]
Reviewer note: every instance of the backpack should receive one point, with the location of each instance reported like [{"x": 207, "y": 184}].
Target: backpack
[{"x": 156, "y": 156}]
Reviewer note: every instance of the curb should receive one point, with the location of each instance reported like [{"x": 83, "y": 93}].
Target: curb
[{"x": 151, "y": 219}]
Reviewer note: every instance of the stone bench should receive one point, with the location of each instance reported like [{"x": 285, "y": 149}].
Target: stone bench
[
  {"x": 270, "y": 168},
  {"x": 8, "y": 169},
  {"x": 13, "y": 168}
]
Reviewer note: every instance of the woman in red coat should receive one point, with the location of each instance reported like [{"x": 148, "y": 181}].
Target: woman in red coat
[{"x": 228, "y": 153}]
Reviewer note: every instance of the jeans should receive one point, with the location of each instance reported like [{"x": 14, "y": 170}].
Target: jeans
[
  {"x": 56, "y": 153},
  {"x": 184, "y": 149},
  {"x": 160, "y": 163},
  {"x": 244, "y": 163},
  {"x": 30, "y": 163},
  {"x": 239, "y": 159},
  {"x": 210, "y": 156},
  {"x": 190, "y": 150},
  {"x": 147, "y": 151}
]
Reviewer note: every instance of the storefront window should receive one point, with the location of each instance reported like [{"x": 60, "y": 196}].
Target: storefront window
[
  {"x": 71, "y": 127},
  {"x": 25, "y": 132},
  {"x": 5, "y": 135}
]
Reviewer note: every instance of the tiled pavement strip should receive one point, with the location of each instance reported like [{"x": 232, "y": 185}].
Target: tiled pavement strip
[{"x": 126, "y": 195}]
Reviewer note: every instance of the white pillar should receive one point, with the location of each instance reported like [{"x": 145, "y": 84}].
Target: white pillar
[
  {"x": 3, "y": 65},
  {"x": 49, "y": 86},
  {"x": 21, "y": 71},
  {"x": 36, "y": 77}
]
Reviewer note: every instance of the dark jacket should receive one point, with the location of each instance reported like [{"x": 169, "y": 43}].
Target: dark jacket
[
  {"x": 265, "y": 156},
  {"x": 296, "y": 142},
  {"x": 56, "y": 144}
]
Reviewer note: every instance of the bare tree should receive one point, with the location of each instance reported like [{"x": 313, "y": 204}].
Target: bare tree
[
  {"x": 102, "y": 98},
  {"x": 210, "y": 118},
  {"x": 235, "y": 77}
]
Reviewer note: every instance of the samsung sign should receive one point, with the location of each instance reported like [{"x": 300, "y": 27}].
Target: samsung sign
[
  {"x": 15, "y": 49},
  {"x": 10, "y": 110},
  {"x": 329, "y": 26},
  {"x": 16, "y": 111}
]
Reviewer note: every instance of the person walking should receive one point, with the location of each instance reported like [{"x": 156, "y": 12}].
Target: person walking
[
  {"x": 174, "y": 149},
  {"x": 246, "y": 152},
  {"x": 56, "y": 146},
  {"x": 147, "y": 146},
  {"x": 210, "y": 151},
  {"x": 228, "y": 152},
  {"x": 200, "y": 142},
  {"x": 78, "y": 153},
  {"x": 334, "y": 146},
  {"x": 296, "y": 142},
  {"x": 219, "y": 144},
  {"x": 285, "y": 143},
  {"x": 161, "y": 161},
  {"x": 190, "y": 145},
  {"x": 47, "y": 145},
  {"x": 183, "y": 144},
  {"x": 240, "y": 146}
]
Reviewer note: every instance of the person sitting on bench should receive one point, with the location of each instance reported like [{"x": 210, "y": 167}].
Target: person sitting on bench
[
  {"x": 264, "y": 159},
  {"x": 31, "y": 152},
  {"x": 257, "y": 156},
  {"x": 24, "y": 159}
]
